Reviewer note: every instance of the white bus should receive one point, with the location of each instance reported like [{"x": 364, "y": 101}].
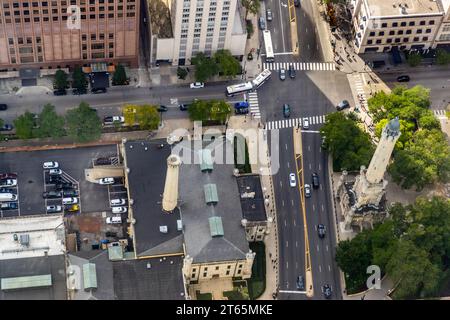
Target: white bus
[
  {"x": 239, "y": 88},
  {"x": 268, "y": 44},
  {"x": 261, "y": 78}
]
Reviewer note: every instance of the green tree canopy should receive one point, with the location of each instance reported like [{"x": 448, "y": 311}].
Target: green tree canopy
[
  {"x": 50, "y": 123},
  {"x": 83, "y": 123},
  {"x": 181, "y": 73},
  {"x": 148, "y": 117},
  {"x": 60, "y": 82},
  {"x": 214, "y": 110},
  {"x": 348, "y": 144},
  {"x": 228, "y": 65},
  {"x": 79, "y": 79},
  {"x": 442, "y": 57},
  {"x": 251, "y": 6},
  {"x": 25, "y": 126},
  {"x": 205, "y": 67},
  {"x": 199, "y": 110},
  {"x": 120, "y": 76}
]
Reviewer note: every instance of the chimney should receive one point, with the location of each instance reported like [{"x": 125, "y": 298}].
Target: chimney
[{"x": 170, "y": 194}]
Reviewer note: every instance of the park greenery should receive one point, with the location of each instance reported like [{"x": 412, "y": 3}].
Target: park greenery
[
  {"x": 412, "y": 247},
  {"x": 349, "y": 146},
  {"x": 222, "y": 62},
  {"x": 83, "y": 123},
  {"x": 49, "y": 123},
  {"x": 216, "y": 111},
  {"x": 422, "y": 155},
  {"x": 60, "y": 82},
  {"x": 442, "y": 57},
  {"x": 120, "y": 76},
  {"x": 146, "y": 116}
]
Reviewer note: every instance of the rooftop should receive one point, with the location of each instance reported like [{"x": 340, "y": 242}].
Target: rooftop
[
  {"x": 252, "y": 198},
  {"x": 149, "y": 279},
  {"x": 202, "y": 243},
  {"x": 147, "y": 171},
  {"x": 403, "y": 7},
  {"x": 31, "y": 236}
]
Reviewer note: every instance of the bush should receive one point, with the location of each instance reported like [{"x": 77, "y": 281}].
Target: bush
[{"x": 414, "y": 59}]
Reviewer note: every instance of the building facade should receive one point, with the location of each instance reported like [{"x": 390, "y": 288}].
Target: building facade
[
  {"x": 443, "y": 35},
  {"x": 382, "y": 25},
  {"x": 52, "y": 34},
  {"x": 202, "y": 26}
]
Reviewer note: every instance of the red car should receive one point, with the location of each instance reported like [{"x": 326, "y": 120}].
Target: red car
[{"x": 8, "y": 176}]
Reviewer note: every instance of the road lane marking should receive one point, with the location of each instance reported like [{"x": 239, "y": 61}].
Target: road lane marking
[
  {"x": 306, "y": 30},
  {"x": 319, "y": 163},
  {"x": 287, "y": 244},
  {"x": 310, "y": 167},
  {"x": 286, "y": 146},
  {"x": 329, "y": 268},
  {"x": 296, "y": 265},
  {"x": 292, "y": 202},
  {"x": 282, "y": 203},
  {"x": 317, "y": 248},
  {"x": 285, "y": 224},
  {"x": 314, "y": 207},
  {"x": 326, "y": 247},
  {"x": 321, "y": 187},
  {"x": 287, "y": 267},
  {"x": 323, "y": 208},
  {"x": 288, "y": 164},
  {"x": 281, "y": 184},
  {"x": 290, "y": 291},
  {"x": 296, "y": 244},
  {"x": 320, "y": 268},
  {"x": 309, "y": 148}
]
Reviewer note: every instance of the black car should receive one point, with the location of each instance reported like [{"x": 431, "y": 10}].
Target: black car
[
  {"x": 321, "y": 231},
  {"x": 70, "y": 193},
  {"x": 3, "y": 106},
  {"x": 291, "y": 71},
  {"x": 162, "y": 108},
  {"x": 342, "y": 105},
  {"x": 240, "y": 110},
  {"x": 54, "y": 179},
  {"x": 184, "y": 106},
  {"x": 6, "y": 127},
  {"x": 300, "y": 283},
  {"x": 326, "y": 289},
  {"x": 403, "y": 78},
  {"x": 8, "y": 190},
  {"x": 63, "y": 185},
  {"x": 315, "y": 180},
  {"x": 103, "y": 161},
  {"x": 78, "y": 92},
  {"x": 62, "y": 92},
  {"x": 9, "y": 206},
  {"x": 286, "y": 110},
  {"x": 52, "y": 194}
]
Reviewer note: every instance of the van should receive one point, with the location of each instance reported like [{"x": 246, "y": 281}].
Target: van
[{"x": 8, "y": 197}]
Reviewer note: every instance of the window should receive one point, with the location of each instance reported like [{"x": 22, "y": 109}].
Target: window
[
  {"x": 416, "y": 39},
  {"x": 204, "y": 275},
  {"x": 400, "y": 32},
  {"x": 395, "y": 24},
  {"x": 389, "y": 40},
  {"x": 381, "y": 33},
  {"x": 378, "y": 41},
  {"x": 369, "y": 41},
  {"x": 403, "y": 24},
  {"x": 431, "y": 22},
  {"x": 419, "y": 31},
  {"x": 412, "y": 23},
  {"x": 428, "y": 31},
  {"x": 422, "y": 23},
  {"x": 408, "y": 31},
  {"x": 405, "y": 39},
  {"x": 391, "y": 33},
  {"x": 217, "y": 268},
  {"x": 397, "y": 40},
  {"x": 372, "y": 34},
  {"x": 425, "y": 39},
  {"x": 228, "y": 272},
  {"x": 384, "y": 25}
]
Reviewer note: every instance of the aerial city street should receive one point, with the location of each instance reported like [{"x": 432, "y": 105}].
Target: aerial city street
[{"x": 262, "y": 150}]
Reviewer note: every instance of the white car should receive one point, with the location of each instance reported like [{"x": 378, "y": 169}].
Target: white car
[
  {"x": 197, "y": 85},
  {"x": 305, "y": 123},
  {"x": 119, "y": 209},
  {"x": 8, "y": 183},
  {"x": 292, "y": 180},
  {"x": 106, "y": 181},
  {"x": 307, "y": 191},
  {"x": 54, "y": 209},
  {"x": 113, "y": 220},
  {"x": 70, "y": 200},
  {"x": 55, "y": 172},
  {"x": 50, "y": 165},
  {"x": 118, "y": 202},
  {"x": 120, "y": 119}
]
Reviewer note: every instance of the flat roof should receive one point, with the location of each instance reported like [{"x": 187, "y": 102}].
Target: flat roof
[
  {"x": 146, "y": 177},
  {"x": 384, "y": 8},
  {"x": 46, "y": 234},
  {"x": 195, "y": 213},
  {"x": 31, "y": 267},
  {"x": 149, "y": 279},
  {"x": 252, "y": 197}
]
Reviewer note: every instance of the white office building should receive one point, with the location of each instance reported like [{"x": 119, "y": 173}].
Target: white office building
[
  {"x": 443, "y": 35},
  {"x": 202, "y": 26}
]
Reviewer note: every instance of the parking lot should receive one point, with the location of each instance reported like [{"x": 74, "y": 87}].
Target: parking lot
[{"x": 32, "y": 179}]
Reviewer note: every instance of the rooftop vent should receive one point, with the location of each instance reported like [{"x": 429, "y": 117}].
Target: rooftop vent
[
  {"x": 206, "y": 163},
  {"x": 211, "y": 196},
  {"x": 163, "y": 229},
  {"x": 25, "y": 239},
  {"x": 216, "y": 227}
]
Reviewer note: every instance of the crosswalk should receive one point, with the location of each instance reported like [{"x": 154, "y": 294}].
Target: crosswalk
[
  {"x": 359, "y": 86},
  {"x": 254, "y": 105},
  {"x": 440, "y": 114},
  {"x": 307, "y": 66},
  {"x": 291, "y": 123}
]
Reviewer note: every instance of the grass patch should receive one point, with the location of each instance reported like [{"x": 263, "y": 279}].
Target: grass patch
[
  {"x": 257, "y": 283},
  {"x": 203, "y": 296},
  {"x": 237, "y": 294},
  {"x": 241, "y": 150}
]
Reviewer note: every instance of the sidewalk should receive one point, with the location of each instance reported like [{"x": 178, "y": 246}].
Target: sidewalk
[{"x": 252, "y": 67}]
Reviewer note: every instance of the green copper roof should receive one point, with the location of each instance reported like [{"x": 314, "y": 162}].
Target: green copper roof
[
  {"x": 215, "y": 226},
  {"x": 27, "y": 282},
  {"x": 89, "y": 276},
  {"x": 211, "y": 193},
  {"x": 206, "y": 162}
]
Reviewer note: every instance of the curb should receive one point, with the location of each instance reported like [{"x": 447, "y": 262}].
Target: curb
[{"x": 57, "y": 146}]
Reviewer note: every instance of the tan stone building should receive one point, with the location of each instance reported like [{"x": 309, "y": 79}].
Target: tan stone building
[
  {"x": 443, "y": 35},
  {"x": 51, "y": 34}
]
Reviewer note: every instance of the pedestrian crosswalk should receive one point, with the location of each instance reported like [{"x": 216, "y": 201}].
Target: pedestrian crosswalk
[
  {"x": 291, "y": 123},
  {"x": 254, "y": 105},
  {"x": 440, "y": 114},
  {"x": 359, "y": 87},
  {"x": 307, "y": 66}
]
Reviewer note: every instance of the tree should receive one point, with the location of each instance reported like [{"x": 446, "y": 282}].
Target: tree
[
  {"x": 79, "y": 79},
  {"x": 60, "y": 82},
  {"x": 182, "y": 73},
  {"x": 120, "y": 76},
  {"x": 205, "y": 67},
  {"x": 349, "y": 146},
  {"x": 24, "y": 126},
  {"x": 251, "y": 6},
  {"x": 199, "y": 110},
  {"x": 219, "y": 111},
  {"x": 414, "y": 59},
  {"x": 442, "y": 57},
  {"x": 129, "y": 113},
  {"x": 228, "y": 65},
  {"x": 50, "y": 124},
  {"x": 2, "y": 122},
  {"x": 148, "y": 117},
  {"x": 83, "y": 123}
]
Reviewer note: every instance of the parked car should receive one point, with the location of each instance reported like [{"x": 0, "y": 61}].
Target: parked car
[
  {"x": 241, "y": 111},
  {"x": 103, "y": 161},
  {"x": 300, "y": 283},
  {"x": 62, "y": 92},
  {"x": 162, "y": 108},
  {"x": 291, "y": 71},
  {"x": 119, "y": 209},
  {"x": 8, "y": 175},
  {"x": 282, "y": 74},
  {"x": 64, "y": 185},
  {"x": 305, "y": 123},
  {"x": 112, "y": 119},
  {"x": 70, "y": 200},
  {"x": 307, "y": 191},
  {"x": 6, "y": 127},
  {"x": 8, "y": 197},
  {"x": 342, "y": 105},
  {"x": 72, "y": 208},
  {"x": 197, "y": 85},
  {"x": 8, "y": 190},
  {"x": 54, "y": 209},
  {"x": 52, "y": 194},
  {"x": 292, "y": 181},
  {"x": 50, "y": 165},
  {"x": 286, "y": 110},
  {"x": 184, "y": 106},
  {"x": 321, "y": 230},
  {"x": 3, "y": 107},
  {"x": 9, "y": 206},
  {"x": 55, "y": 172},
  {"x": 70, "y": 193},
  {"x": 106, "y": 181},
  {"x": 262, "y": 23},
  {"x": 8, "y": 182},
  {"x": 326, "y": 289},
  {"x": 118, "y": 202},
  {"x": 54, "y": 179},
  {"x": 403, "y": 78},
  {"x": 269, "y": 15},
  {"x": 113, "y": 220},
  {"x": 78, "y": 92},
  {"x": 297, "y": 3},
  {"x": 98, "y": 90},
  {"x": 315, "y": 180}
]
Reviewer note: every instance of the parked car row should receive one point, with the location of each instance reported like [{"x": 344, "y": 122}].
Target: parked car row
[{"x": 8, "y": 191}]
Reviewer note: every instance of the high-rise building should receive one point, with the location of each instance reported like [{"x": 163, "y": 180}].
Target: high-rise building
[
  {"x": 443, "y": 35},
  {"x": 202, "y": 26},
  {"x": 64, "y": 33}
]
